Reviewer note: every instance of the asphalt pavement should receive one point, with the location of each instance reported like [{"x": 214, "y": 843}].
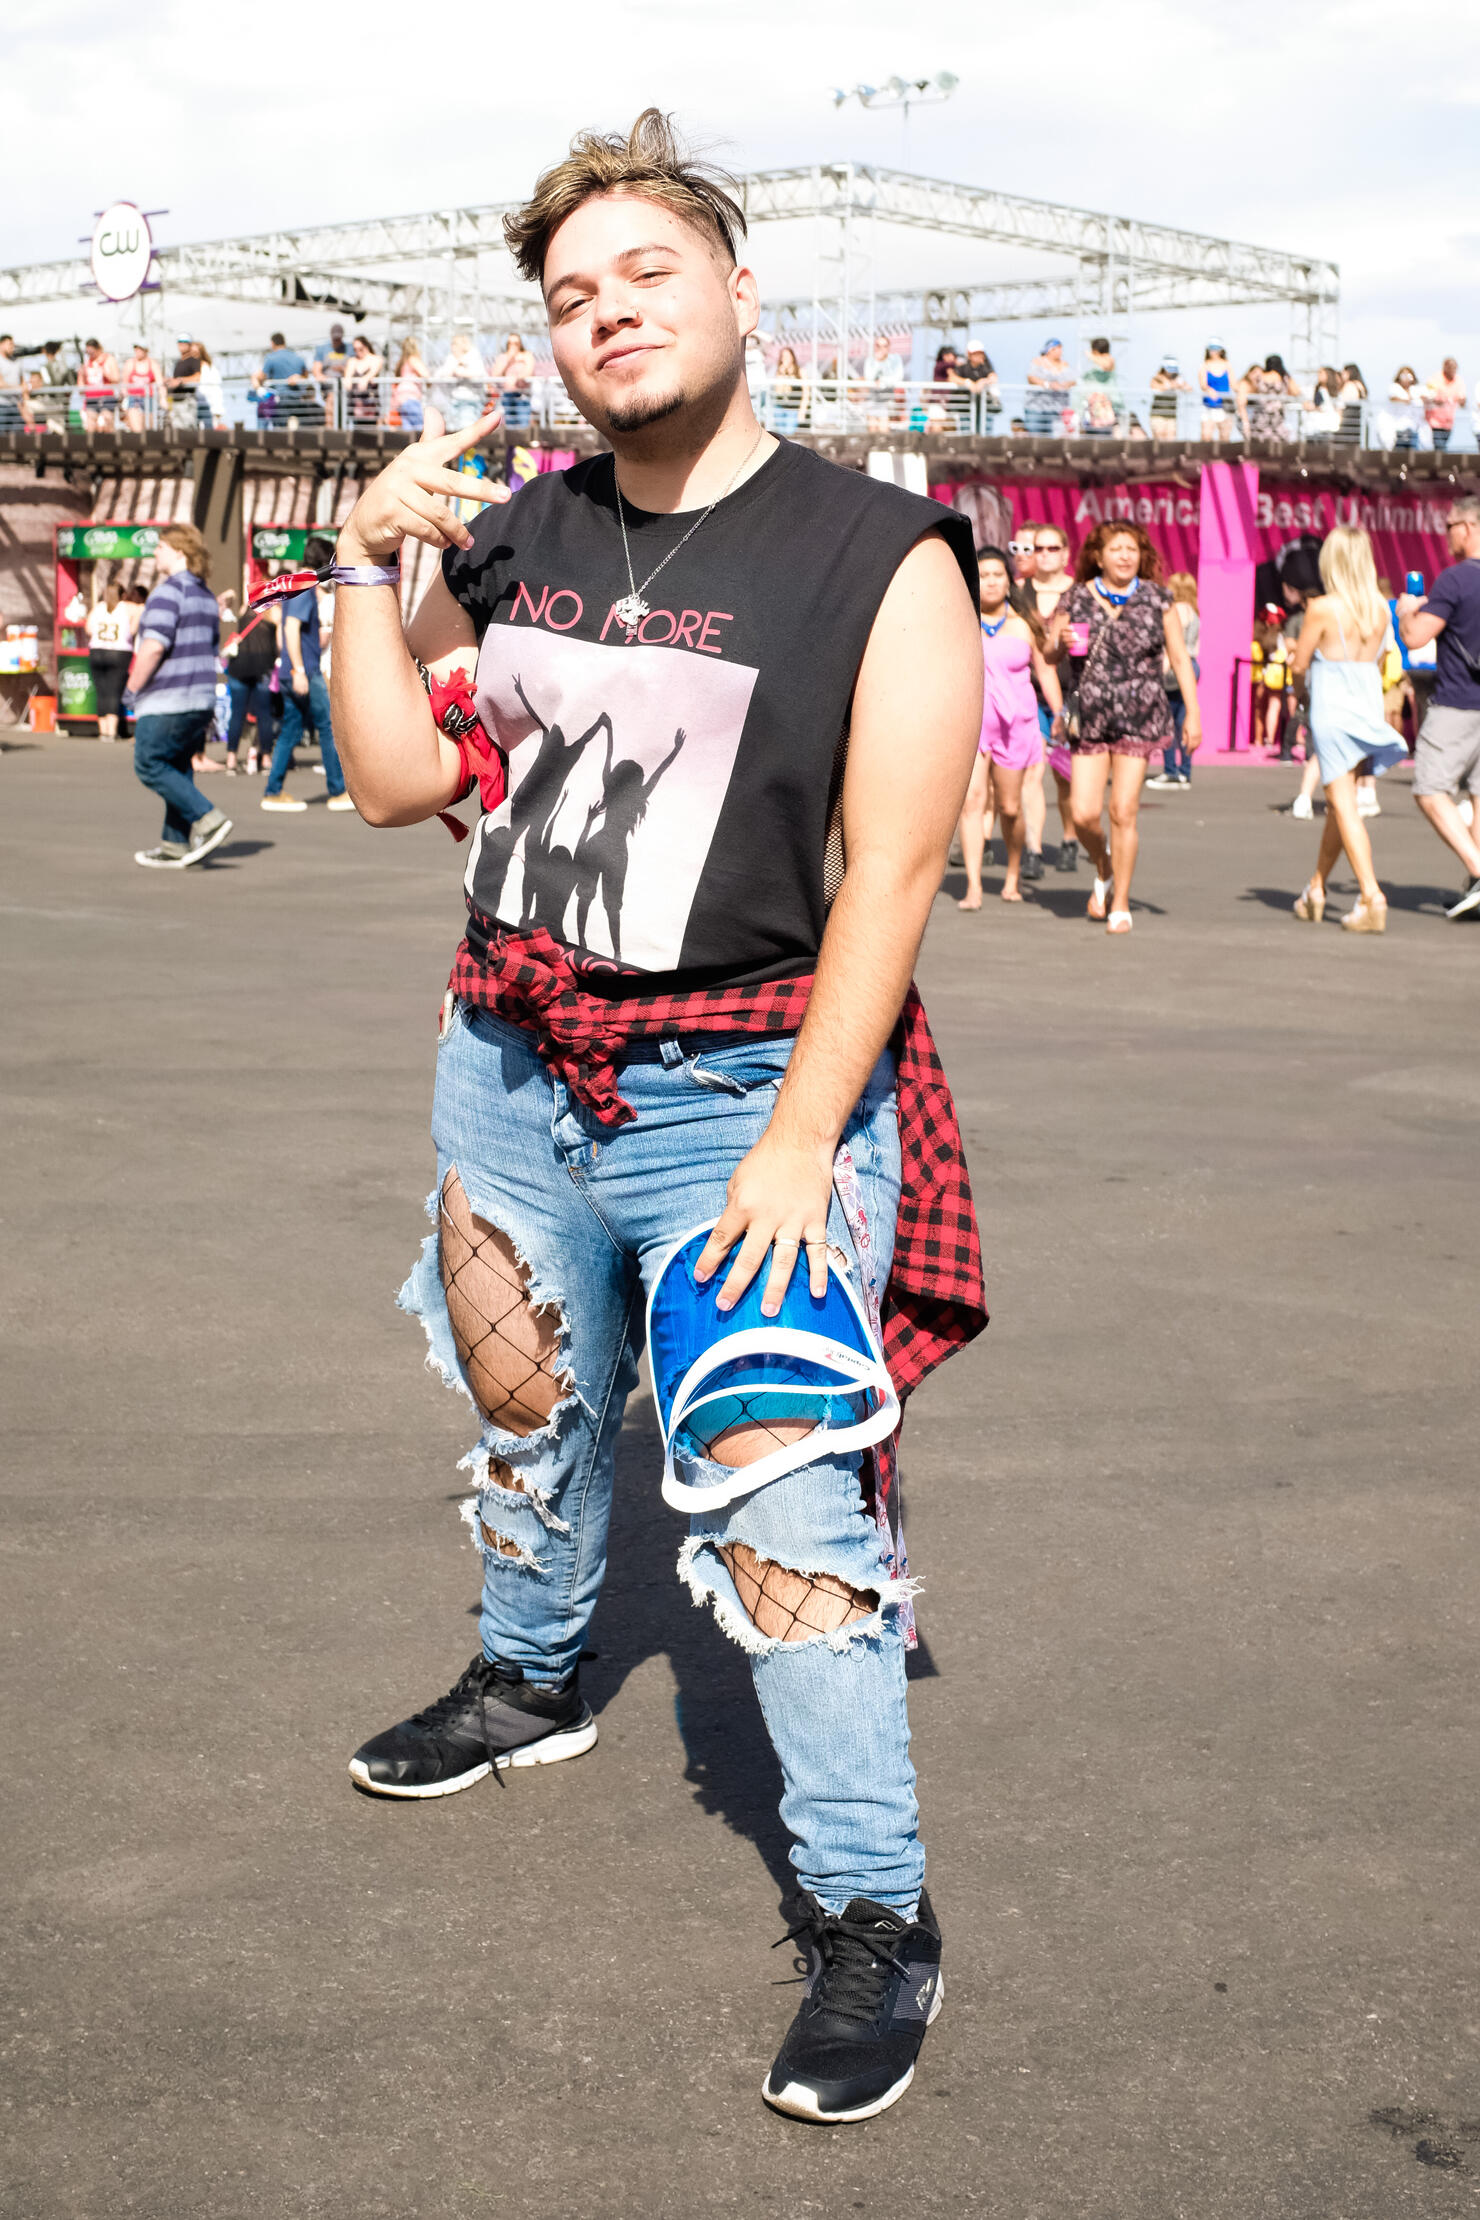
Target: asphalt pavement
[{"x": 1196, "y": 1520}]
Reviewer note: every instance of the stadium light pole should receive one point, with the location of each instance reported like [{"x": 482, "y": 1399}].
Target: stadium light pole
[{"x": 902, "y": 93}]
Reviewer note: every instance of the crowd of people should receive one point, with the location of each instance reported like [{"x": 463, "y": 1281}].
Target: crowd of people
[
  {"x": 363, "y": 385},
  {"x": 1090, "y": 676},
  {"x": 1093, "y": 673},
  {"x": 356, "y": 381}
]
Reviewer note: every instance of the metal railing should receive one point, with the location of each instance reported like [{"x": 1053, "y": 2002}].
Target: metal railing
[{"x": 855, "y": 405}]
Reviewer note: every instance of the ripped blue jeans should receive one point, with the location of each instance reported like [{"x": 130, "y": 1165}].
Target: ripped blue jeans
[{"x": 591, "y": 1212}]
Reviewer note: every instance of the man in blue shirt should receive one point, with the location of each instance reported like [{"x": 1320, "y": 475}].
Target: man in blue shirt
[
  {"x": 300, "y": 672},
  {"x": 173, "y": 680},
  {"x": 1446, "y": 758},
  {"x": 283, "y": 382}
]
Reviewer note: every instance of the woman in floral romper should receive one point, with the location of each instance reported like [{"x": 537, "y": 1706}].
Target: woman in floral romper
[{"x": 1113, "y": 629}]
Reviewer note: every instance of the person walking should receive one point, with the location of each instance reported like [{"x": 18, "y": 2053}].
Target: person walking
[
  {"x": 1446, "y": 759},
  {"x": 668, "y": 637},
  {"x": 249, "y": 657},
  {"x": 1341, "y": 647},
  {"x": 109, "y": 654},
  {"x": 1011, "y": 742},
  {"x": 1176, "y": 761},
  {"x": 304, "y": 686},
  {"x": 1052, "y": 579},
  {"x": 173, "y": 682},
  {"x": 1117, "y": 624}
]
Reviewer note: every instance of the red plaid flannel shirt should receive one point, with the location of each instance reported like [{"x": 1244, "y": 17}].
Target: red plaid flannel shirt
[{"x": 936, "y": 1300}]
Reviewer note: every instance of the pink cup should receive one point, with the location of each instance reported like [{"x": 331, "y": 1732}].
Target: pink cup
[{"x": 1079, "y": 638}]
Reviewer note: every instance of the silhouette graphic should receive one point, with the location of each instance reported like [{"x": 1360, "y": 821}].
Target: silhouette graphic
[
  {"x": 601, "y": 857},
  {"x": 548, "y": 773}
]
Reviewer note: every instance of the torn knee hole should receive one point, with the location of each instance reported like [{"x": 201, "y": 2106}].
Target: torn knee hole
[
  {"x": 499, "y": 1543},
  {"x": 508, "y": 1345},
  {"x": 501, "y": 1475},
  {"x": 791, "y": 1606},
  {"x": 745, "y": 1441}
]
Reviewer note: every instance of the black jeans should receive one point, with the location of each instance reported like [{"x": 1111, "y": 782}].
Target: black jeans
[{"x": 249, "y": 698}]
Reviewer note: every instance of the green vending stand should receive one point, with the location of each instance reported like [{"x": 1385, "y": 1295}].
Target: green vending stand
[{"x": 78, "y": 547}]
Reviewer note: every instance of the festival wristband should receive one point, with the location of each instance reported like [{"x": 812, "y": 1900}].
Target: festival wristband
[
  {"x": 338, "y": 574},
  {"x": 365, "y": 574}
]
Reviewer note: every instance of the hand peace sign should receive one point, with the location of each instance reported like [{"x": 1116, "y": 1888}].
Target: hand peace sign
[{"x": 409, "y": 499}]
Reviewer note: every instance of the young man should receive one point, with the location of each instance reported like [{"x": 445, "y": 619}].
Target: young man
[
  {"x": 301, "y": 676},
  {"x": 717, "y": 669},
  {"x": 1447, "y": 757},
  {"x": 173, "y": 680}
]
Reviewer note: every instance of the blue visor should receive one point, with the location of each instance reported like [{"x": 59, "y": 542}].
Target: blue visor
[{"x": 816, "y": 1363}]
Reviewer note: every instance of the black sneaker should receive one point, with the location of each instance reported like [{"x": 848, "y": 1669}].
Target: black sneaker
[
  {"x": 1068, "y": 856},
  {"x": 207, "y": 833},
  {"x": 1032, "y": 864},
  {"x": 492, "y": 1718},
  {"x": 874, "y": 1985},
  {"x": 1469, "y": 900}
]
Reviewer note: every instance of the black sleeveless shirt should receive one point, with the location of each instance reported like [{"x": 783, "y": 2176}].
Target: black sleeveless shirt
[{"x": 670, "y": 799}]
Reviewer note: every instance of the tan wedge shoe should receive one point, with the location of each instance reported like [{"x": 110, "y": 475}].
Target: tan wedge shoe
[
  {"x": 1310, "y": 906},
  {"x": 1367, "y": 917}
]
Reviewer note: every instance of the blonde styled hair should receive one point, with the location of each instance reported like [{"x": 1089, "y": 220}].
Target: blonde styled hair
[
  {"x": 650, "y": 162},
  {"x": 1349, "y": 575},
  {"x": 1182, "y": 586}
]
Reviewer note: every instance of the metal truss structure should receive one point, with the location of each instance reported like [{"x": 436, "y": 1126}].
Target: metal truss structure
[{"x": 427, "y": 270}]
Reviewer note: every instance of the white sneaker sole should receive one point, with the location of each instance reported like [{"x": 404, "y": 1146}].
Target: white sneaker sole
[
  {"x": 574, "y": 1742},
  {"x": 800, "y": 2102},
  {"x": 208, "y": 846}
]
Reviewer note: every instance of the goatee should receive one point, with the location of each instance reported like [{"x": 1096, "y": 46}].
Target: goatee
[{"x": 634, "y": 415}]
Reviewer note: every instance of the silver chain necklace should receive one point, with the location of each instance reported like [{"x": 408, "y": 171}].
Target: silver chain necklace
[{"x": 631, "y": 609}]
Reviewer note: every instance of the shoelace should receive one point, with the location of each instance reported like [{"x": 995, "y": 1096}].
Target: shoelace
[
  {"x": 857, "y": 1960},
  {"x": 475, "y": 1681}
]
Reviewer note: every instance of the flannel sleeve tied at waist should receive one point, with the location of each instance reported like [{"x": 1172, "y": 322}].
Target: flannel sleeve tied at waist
[{"x": 935, "y": 1301}]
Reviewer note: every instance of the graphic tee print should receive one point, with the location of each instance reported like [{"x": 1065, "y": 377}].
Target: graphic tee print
[
  {"x": 618, "y": 769},
  {"x": 670, "y": 796}
]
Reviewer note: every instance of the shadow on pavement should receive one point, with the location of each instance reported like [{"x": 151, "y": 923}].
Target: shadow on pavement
[{"x": 1419, "y": 900}]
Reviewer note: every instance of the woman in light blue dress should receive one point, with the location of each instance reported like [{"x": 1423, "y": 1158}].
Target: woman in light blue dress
[{"x": 1341, "y": 645}]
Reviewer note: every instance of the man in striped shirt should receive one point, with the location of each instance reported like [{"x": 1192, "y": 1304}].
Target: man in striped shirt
[{"x": 173, "y": 680}]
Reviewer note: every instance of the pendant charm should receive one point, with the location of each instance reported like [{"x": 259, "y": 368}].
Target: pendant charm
[{"x": 629, "y": 613}]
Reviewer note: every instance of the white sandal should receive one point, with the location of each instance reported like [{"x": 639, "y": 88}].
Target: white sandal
[
  {"x": 1119, "y": 921},
  {"x": 1100, "y": 895}
]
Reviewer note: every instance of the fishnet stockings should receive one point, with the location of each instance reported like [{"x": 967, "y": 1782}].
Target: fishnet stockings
[
  {"x": 790, "y": 1606},
  {"x": 507, "y": 1348},
  {"x": 745, "y": 1440}
]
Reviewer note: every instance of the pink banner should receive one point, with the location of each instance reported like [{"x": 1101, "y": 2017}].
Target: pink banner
[
  {"x": 1228, "y": 553},
  {"x": 1407, "y": 529}
]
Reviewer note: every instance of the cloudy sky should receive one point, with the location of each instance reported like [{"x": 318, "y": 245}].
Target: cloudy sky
[{"x": 1328, "y": 129}]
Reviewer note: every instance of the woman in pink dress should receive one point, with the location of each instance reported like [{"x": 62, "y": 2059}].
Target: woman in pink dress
[{"x": 1012, "y": 642}]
